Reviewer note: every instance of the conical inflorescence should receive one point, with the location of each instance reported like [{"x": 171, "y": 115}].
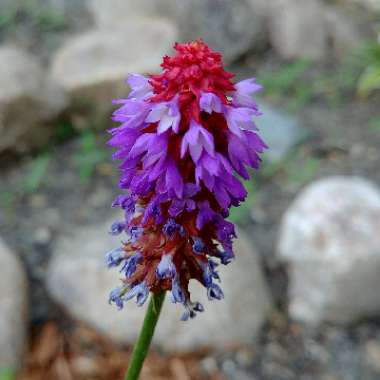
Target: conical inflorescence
[{"x": 185, "y": 137}]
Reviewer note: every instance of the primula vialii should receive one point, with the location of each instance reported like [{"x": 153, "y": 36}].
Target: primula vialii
[{"x": 186, "y": 136}]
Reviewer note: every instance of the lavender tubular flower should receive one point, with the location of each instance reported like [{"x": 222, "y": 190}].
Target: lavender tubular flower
[
  {"x": 116, "y": 296},
  {"x": 140, "y": 291},
  {"x": 130, "y": 265},
  {"x": 166, "y": 268},
  {"x": 115, "y": 257},
  {"x": 117, "y": 228},
  {"x": 186, "y": 138}
]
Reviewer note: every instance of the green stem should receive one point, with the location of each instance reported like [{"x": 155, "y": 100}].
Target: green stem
[{"x": 146, "y": 334}]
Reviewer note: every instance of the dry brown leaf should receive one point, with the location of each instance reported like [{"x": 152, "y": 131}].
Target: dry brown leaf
[
  {"x": 61, "y": 369},
  {"x": 178, "y": 369},
  {"x": 81, "y": 353},
  {"x": 47, "y": 345}
]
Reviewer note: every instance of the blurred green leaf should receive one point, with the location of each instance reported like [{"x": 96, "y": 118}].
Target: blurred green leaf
[
  {"x": 7, "y": 17},
  {"x": 7, "y": 199},
  {"x": 45, "y": 17},
  {"x": 369, "y": 81},
  {"x": 303, "y": 94},
  {"x": 372, "y": 50},
  {"x": 7, "y": 374},
  {"x": 375, "y": 123},
  {"x": 37, "y": 173},
  {"x": 88, "y": 156},
  {"x": 64, "y": 132},
  {"x": 286, "y": 78},
  {"x": 300, "y": 82},
  {"x": 49, "y": 19}
]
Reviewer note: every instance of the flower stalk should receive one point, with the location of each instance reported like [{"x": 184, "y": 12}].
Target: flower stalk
[{"x": 141, "y": 348}]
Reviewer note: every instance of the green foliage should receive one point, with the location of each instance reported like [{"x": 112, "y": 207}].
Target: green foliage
[
  {"x": 284, "y": 79},
  {"x": 7, "y": 374},
  {"x": 32, "y": 11},
  {"x": 303, "y": 94},
  {"x": 334, "y": 86},
  {"x": 63, "y": 132},
  {"x": 7, "y": 199},
  {"x": 7, "y": 17},
  {"x": 289, "y": 82},
  {"x": 88, "y": 156},
  {"x": 300, "y": 82},
  {"x": 49, "y": 19},
  {"x": 295, "y": 170},
  {"x": 375, "y": 123},
  {"x": 369, "y": 80},
  {"x": 37, "y": 173}
]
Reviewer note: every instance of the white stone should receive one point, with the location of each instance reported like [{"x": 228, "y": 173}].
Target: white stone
[
  {"x": 13, "y": 309},
  {"x": 27, "y": 101},
  {"x": 232, "y": 27},
  {"x": 93, "y": 66},
  {"x": 78, "y": 280},
  {"x": 330, "y": 239},
  {"x": 297, "y": 30}
]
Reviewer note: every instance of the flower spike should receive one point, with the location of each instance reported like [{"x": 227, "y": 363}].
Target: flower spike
[{"x": 186, "y": 135}]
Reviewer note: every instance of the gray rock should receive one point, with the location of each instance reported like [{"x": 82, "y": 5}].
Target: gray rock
[
  {"x": 112, "y": 13},
  {"x": 92, "y": 67},
  {"x": 279, "y": 131},
  {"x": 78, "y": 280},
  {"x": 343, "y": 32},
  {"x": 296, "y": 29},
  {"x": 28, "y": 100},
  {"x": 330, "y": 239},
  {"x": 233, "y": 27},
  {"x": 13, "y": 309}
]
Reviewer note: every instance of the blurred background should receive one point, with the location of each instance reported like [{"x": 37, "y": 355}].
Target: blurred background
[{"x": 302, "y": 298}]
